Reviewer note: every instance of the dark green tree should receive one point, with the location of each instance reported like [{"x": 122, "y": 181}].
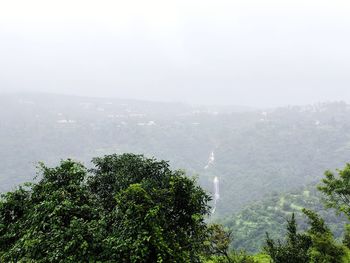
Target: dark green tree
[
  {"x": 324, "y": 249},
  {"x": 54, "y": 220},
  {"x": 127, "y": 209},
  {"x": 316, "y": 245},
  {"x": 219, "y": 241},
  {"x": 218, "y": 247},
  {"x": 162, "y": 210},
  {"x": 336, "y": 190},
  {"x": 293, "y": 250}
]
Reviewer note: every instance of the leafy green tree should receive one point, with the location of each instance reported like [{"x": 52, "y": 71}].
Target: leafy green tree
[
  {"x": 293, "y": 250},
  {"x": 54, "y": 220},
  {"x": 336, "y": 190},
  {"x": 218, "y": 247},
  {"x": 219, "y": 242},
  {"x": 324, "y": 249},
  {"x": 168, "y": 206},
  {"x": 316, "y": 245},
  {"x": 127, "y": 209}
]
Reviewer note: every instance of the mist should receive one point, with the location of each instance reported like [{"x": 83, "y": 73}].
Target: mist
[{"x": 224, "y": 52}]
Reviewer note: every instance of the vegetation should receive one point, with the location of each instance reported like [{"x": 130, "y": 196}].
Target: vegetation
[
  {"x": 317, "y": 244},
  {"x": 295, "y": 249},
  {"x": 310, "y": 240},
  {"x": 336, "y": 190},
  {"x": 269, "y": 215},
  {"x": 127, "y": 209},
  {"x": 218, "y": 247}
]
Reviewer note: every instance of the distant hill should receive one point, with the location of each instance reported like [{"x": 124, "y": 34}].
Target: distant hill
[
  {"x": 249, "y": 226},
  {"x": 46, "y": 127},
  {"x": 255, "y": 152},
  {"x": 279, "y": 150}
]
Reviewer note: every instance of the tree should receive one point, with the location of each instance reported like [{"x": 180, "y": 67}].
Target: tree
[
  {"x": 293, "y": 250},
  {"x": 219, "y": 242},
  {"x": 127, "y": 209},
  {"x": 54, "y": 219},
  {"x": 316, "y": 245},
  {"x": 218, "y": 247},
  {"x": 324, "y": 248},
  {"x": 336, "y": 190}
]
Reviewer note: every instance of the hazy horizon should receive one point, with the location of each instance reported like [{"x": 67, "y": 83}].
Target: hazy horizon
[
  {"x": 249, "y": 53},
  {"x": 189, "y": 103}
]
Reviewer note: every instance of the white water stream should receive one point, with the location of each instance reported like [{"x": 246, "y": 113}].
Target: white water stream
[{"x": 216, "y": 189}]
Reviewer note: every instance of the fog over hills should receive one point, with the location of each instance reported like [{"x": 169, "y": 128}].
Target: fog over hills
[{"x": 252, "y": 152}]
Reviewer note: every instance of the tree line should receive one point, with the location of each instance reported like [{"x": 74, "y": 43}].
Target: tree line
[{"x": 129, "y": 208}]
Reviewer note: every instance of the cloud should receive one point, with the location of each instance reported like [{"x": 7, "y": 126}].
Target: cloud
[{"x": 234, "y": 52}]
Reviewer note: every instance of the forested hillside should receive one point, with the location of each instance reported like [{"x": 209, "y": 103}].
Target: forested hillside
[
  {"x": 255, "y": 152},
  {"x": 270, "y": 215}
]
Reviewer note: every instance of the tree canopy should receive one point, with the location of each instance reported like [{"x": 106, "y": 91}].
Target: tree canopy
[
  {"x": 128, "y": 208},
  {"x": 316, "y": 245},
  {"x": 336, "y": 190}
]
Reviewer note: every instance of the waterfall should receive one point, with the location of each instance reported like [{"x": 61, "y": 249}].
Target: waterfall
[
  {"x": 211, "y": 160},
  {"x": 216, "y": 192}
]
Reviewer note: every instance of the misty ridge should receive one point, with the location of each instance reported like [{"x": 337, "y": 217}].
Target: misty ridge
[{"x": 277, "y": 140}]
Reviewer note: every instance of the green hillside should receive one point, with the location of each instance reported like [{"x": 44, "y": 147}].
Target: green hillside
[{"x": 270, "y": 215}]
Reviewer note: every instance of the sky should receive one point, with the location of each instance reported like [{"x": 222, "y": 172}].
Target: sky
[{"x": 238, "y": 52}]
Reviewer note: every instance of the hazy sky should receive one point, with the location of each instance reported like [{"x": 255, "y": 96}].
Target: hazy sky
[{"x": 246, "y": 52}]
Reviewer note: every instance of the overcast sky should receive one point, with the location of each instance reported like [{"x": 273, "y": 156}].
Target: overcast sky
[{"x": 245, "y": 52}]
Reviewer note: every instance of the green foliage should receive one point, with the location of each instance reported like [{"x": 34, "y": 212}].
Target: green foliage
[
  {"x": 218, "y": 247},
  {"x": 336, "y": 190},
  {"x": 219, "y": 242},
  {"x": 235, "y": 257},
  {"x": 324, "y": 249},
  {"x": 293, "y": 250},
  {"x": 269, "y": 215},
  {"x": 53, "y": 220},
  {"x": 262, "y": 258},
  {"x": 128, "y": 209},
  {"x": 316, "y": 245}
]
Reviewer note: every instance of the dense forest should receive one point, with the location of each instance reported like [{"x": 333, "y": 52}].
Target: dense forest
[{"x": 268, "y": 161}]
